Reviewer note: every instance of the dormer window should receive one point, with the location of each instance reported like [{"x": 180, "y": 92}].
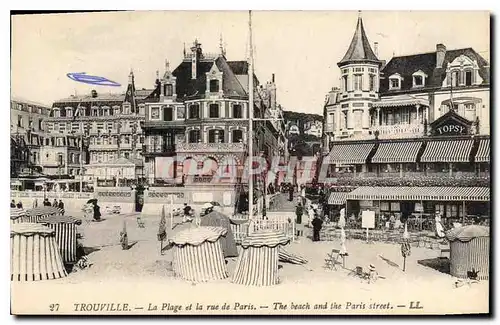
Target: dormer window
[
  {"x": 214, "y": 86},
  {"x": 168, "y": 90},
  {"x": 468, "y": 77},
  {"x": 419, "y": 79},
  {"x": 395, "y": 81}
]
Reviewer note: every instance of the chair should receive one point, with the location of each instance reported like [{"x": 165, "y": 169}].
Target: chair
[
  {"x": 140, "y": 222},
  {"x": 332, "y": 259}
]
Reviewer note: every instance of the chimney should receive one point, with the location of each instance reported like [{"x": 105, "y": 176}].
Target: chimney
[
  {"x": 94, "y": 93},
  {"x": 375, "y": 49},
  {"x": 195, "y": 55},
  {"x": 440, "y": 53},
  {"x": 272, "y": 79}
]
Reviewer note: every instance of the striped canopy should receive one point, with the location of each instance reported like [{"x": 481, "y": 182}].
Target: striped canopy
[
  {"x": 53, "y": 219},
  {"x": 421, "y": 193},
  {"x": 337, "y": 198},
  {"x": 447, "y": 151},
  {"x": 30, "y": 229},
  {"x": 467, "y": 233},
  {"x": 198, "y": 235},
  {"x": 349, "y": 153},
  {"x": 267, "y": 238},
  {"x": 397, "y": 152},
  {"x": 43, "y": 210},
  {"x": 17, "y": 213},
  {"x": 483, "y": 152}
]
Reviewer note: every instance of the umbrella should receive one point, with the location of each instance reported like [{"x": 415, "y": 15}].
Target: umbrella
[
  {"x": 93, "y": 201},
  {"x": 343, "y": 248}
]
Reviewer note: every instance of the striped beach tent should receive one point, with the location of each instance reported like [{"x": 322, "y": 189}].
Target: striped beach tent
[
  {"x": 65, "y": 232},
  {"x": 469, "y": 249},
  {"x": 42, "y": 212},
  {"x": 198, "y": 254},
  {"x": 17, "y": 215},
  {"x": 258, "y": 262},
  {"x": 217, "y": 219},
  {"x": 34, "y": 253}
]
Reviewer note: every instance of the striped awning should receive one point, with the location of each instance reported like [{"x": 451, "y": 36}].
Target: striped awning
[
  {"x": 421, "y": 193},
  {"x": 43, "y": 210},
  {"x": 447, "y": 151},
  {"x": 337, "y": 198},
  {"x": 397, "y": 152},
  {"x": 347, "y": 154},
  {"x": 483, "y": 152},
  {"x": 17, "y": 213}
]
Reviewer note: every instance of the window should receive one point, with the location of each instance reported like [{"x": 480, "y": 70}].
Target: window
[
  {"x": 454, "y": 78},
  {"x": 468, "y": 78},
  {"x": 40, "y": 124},
  {"x": 237, "y": 111},
  {"x": 194, "y": 136},
  {"x": 343, "y": 121},
  {"x": 215, "y": 136},
  {"x": 344, "y": 83},
  {"x": 359, "y": 69},
  {"x": 155, "y": 113},
  {"x": 345, "y": 70},
  {"x": 168, "y": 90},
  {"x": 194, "y": 111},
  {"x": 168, "y": 113},
  {"x": 214, "y": 86},
  {"x": 394, "y": 83},
  {"x": 62, "y": 112},
  {"x": 358, "y": 119},
  {"x": 126, "y": 140},
  {"x": 372, "y": 82},
  {"x": 358, "y": 82},
  {"x": 214, "y": 111},
  {"x": 19, "y": 121},
  {"x": 126, "y": 155},
  {"x": 60, "y": 159},
  {"x": 418, "y": 81},
  {"x": 237, "y": 136}
]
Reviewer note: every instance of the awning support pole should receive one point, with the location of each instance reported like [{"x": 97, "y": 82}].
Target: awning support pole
[{"x": 463, "y": 213}]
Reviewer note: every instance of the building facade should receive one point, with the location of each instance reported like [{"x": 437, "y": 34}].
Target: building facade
[
  {"x": 410, "y": 135},
  {"x": 197, "y": 124},
  {"x": 27, "y": 129},
  {"x": 109, "y": 124}
]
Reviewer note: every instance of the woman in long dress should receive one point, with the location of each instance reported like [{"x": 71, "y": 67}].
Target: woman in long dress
[{"x": 439, "y": 226}]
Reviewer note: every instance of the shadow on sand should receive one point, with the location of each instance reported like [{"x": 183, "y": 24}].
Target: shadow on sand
[{"x": 441, "y": 264}]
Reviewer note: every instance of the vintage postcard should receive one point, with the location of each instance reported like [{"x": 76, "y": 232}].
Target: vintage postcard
[{"x": 250, "y": 163}]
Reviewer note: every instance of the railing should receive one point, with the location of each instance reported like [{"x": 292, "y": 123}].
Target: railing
[
  {"x": 399, "y": 130},
  {"x": 103, "y": 147},
  {"x": 210, "y": 147},
  {"x": 157, "y": 149},
  {"x": 412, "y": 181}
]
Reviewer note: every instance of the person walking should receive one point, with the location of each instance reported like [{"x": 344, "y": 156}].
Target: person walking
[
  {"x": 299, "y": 211},
  {"x": 317, "y": 224},
  {"x": 61, "y": 206},
  {"x": 97, "y": 212},
  {"x": 290, "y": 192},
  {"x": 13, "y": 204}
]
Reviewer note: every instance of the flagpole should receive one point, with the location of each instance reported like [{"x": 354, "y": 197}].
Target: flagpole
[{"x": 250, "y": 120}]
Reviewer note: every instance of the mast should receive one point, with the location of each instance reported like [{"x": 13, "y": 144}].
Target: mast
[{"x": 250, "y": 120}]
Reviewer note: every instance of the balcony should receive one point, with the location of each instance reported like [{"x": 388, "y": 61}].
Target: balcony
[
  {"x": 210, "y": 147},
  {"x": 158, "y": 150},
  {"x": 103, "y": 147},
  {"x": 162, "y": 125},
  {"x": 399, "y": 131}
]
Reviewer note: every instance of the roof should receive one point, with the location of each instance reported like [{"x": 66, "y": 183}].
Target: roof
[
  {"x": 360, "y": 49},
  {"x": 188, "y": 87},
  {"x": 426, "y": 62},
  {"x": 109, "y": 99},
  {"x": 29, "y": 102},
  {"x": 239, "y": 67},
  {"x": 467, "y": 233}
]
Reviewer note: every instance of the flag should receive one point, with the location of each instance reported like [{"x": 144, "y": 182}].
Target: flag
[{"x": 162, "y": 229}]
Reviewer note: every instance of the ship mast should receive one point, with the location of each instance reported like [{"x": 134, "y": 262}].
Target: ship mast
[{"x": 250, "y": 119}]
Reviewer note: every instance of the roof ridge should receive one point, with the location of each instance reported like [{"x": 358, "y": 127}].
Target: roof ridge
[{"x": 431, "y": 52}]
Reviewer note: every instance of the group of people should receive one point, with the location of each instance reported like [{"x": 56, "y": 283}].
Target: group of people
[{"x": 13, "y": 204}]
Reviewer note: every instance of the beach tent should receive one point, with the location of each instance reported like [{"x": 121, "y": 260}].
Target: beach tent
[
  {"x": 65, "y": 233},
  {"x": 41, "y": 212},
  {"x": 258, "y": 263},
  {"x": 198, "y": 254},
  {"x": 34, "y": 253},
  {"x": 17, "y": 215},
  {"x": 217, "y": 219},
  {"x": 469, "y": 249}
]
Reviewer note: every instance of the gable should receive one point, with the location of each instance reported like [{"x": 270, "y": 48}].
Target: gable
[{"x": 450, "y": 124}]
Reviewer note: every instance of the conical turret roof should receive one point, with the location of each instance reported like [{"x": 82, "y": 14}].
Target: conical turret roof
[{"x": 360, "y": 49}]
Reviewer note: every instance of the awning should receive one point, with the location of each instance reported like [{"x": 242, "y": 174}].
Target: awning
[
  {"x": 420, "y": 193},
  {"x": 337, "y": 198},
  {"x": 483, "y": 152},
  {"x": 447, "y": 151},
  {"x": 403, "y": 100},
  {"x": 348, "y": 154},
  {"x": 397, "y": 152}
]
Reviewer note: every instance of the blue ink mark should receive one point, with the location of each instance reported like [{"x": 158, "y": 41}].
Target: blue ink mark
[{"x": 93, "y": 80}]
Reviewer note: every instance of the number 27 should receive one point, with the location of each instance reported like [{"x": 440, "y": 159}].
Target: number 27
[{"x": 54, "y": 307}]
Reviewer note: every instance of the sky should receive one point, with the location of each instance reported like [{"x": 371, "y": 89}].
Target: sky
[{"x": 301, "y": 48}]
